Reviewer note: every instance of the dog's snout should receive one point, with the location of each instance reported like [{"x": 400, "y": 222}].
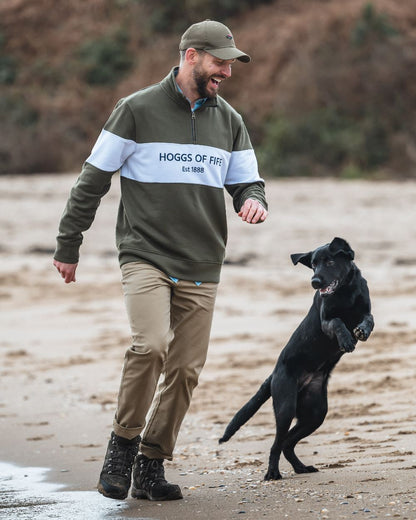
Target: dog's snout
[{"x": 317, "y": 282}]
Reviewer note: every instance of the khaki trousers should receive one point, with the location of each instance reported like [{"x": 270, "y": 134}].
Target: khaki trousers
[{"x": 170, "y": 325}]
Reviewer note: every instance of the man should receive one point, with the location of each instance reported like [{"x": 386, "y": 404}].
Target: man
[{"x": 176, "y": 144}]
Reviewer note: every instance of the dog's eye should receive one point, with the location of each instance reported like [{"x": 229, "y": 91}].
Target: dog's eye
[
  {"x": 313, "y": 265},
  {"x": 330, "y": 263}
]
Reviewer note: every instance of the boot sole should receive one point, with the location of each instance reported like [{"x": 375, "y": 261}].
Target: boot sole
[
  {"x": 115, "y": 495},
  {"x": 141, "y": 493}
]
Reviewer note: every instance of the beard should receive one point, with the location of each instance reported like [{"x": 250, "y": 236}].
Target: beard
[{"x": 202, "y": 81}]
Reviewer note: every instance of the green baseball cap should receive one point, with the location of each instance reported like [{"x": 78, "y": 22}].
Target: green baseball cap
[{"x": 214, "y": 38}]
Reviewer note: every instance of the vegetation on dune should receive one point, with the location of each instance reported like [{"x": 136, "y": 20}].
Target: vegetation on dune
[
  {"x": 331, "y": 89},
  {"x": 351, "y": 126}
]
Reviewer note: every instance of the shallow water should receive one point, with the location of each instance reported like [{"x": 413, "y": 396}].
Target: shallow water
[{"x": 24, "y": 494}]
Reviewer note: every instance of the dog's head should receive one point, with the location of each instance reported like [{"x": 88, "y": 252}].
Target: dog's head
[{"x": 331, "y": 264}]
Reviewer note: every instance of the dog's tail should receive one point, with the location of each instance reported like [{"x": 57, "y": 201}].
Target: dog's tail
[{"x": 248, "y": 410}]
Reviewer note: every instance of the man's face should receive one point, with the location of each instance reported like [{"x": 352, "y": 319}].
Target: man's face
[{"x": 209, "y": 72}]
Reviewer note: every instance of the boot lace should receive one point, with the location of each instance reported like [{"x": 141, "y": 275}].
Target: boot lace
[
  {"x": 121, "y": 458},
  {"x": 152, "y": 472}
]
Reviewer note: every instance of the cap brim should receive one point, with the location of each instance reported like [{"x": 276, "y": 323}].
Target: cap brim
[{"x": 229, "y": 53}]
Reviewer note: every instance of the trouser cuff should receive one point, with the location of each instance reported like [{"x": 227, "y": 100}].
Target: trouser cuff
[
  {"x": 127, "y": 433},
  {"x": 153, "y": 452}
]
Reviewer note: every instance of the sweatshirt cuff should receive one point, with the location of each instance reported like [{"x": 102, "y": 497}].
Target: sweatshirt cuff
[{"x": 67, "y": 255}]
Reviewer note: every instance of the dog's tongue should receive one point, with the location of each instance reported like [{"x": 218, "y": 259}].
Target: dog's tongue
[{"x": 329, "y": 289}]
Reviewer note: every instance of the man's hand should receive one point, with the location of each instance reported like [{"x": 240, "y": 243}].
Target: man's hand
[
  {"x": 252, "y": 212},
  {"x": 67, "y": 270}
]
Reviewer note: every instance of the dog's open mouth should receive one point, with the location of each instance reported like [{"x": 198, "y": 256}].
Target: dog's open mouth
[{"x": 329, "y": 289}]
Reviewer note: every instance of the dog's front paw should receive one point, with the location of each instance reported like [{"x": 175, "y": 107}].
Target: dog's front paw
[
  {"x": 361, "y": 334},
  {"x": 346, "y": 343}
]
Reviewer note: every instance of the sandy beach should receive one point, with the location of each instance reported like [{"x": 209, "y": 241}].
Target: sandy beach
[{"x": 62, "y": 349}]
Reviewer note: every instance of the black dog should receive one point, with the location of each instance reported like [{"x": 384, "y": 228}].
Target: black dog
[{"x": 340, "y": 315}]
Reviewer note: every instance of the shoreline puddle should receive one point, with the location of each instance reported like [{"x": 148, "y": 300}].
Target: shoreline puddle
[{"x": 24, "y": 494}]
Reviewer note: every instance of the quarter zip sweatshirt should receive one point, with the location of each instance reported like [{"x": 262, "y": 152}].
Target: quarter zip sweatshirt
[{"x": 174, "y": 164}]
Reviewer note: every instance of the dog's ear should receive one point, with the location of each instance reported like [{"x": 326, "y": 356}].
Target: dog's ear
[
  {"x": 341, "y": 246},
  {"x": 303, "y": 258}
]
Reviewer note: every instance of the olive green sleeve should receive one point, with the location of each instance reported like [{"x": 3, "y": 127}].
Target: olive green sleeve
[
  {"x": 80, "y": 210},
  {"x": 241, "y": 192}
]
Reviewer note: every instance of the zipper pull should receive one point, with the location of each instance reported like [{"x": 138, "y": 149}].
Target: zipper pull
[{"x": 193, "y": 127}]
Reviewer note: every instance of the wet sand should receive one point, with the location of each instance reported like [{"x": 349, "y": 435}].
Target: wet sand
[{"x": 62, "y": 348}]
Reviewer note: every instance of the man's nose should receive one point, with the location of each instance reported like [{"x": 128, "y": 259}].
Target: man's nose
[{"x": 226, "y": 70}]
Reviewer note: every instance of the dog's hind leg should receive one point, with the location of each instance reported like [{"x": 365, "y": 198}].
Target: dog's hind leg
[
  {"x": 284, "y": 392},
  {"x": 311, "y": 413},
  {"x": 298, "y": 432}
]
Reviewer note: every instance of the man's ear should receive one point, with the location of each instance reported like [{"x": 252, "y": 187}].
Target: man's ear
[
  {"x": 303, "y": 258},
  {"x": 191, "y": 55},
  {"x": 341, "y": 246}
]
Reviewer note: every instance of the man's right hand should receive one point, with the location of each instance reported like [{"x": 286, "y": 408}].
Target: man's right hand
[{"x": 67, "y": 271}]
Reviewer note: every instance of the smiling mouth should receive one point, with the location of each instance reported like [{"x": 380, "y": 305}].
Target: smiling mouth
[
  {"x": 329, "y": 289},
  {"x": 216, "y": 81}
]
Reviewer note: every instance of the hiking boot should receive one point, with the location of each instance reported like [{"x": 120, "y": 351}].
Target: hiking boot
[
  {"x": 149, "y": 481},
  {"x": 115, "y": 477}
]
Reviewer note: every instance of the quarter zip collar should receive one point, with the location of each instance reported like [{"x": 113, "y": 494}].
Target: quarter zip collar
[{"x": 198, "y": 103}]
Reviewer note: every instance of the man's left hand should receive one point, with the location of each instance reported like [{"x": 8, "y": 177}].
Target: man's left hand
[{"x": 252, "y": 212}]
